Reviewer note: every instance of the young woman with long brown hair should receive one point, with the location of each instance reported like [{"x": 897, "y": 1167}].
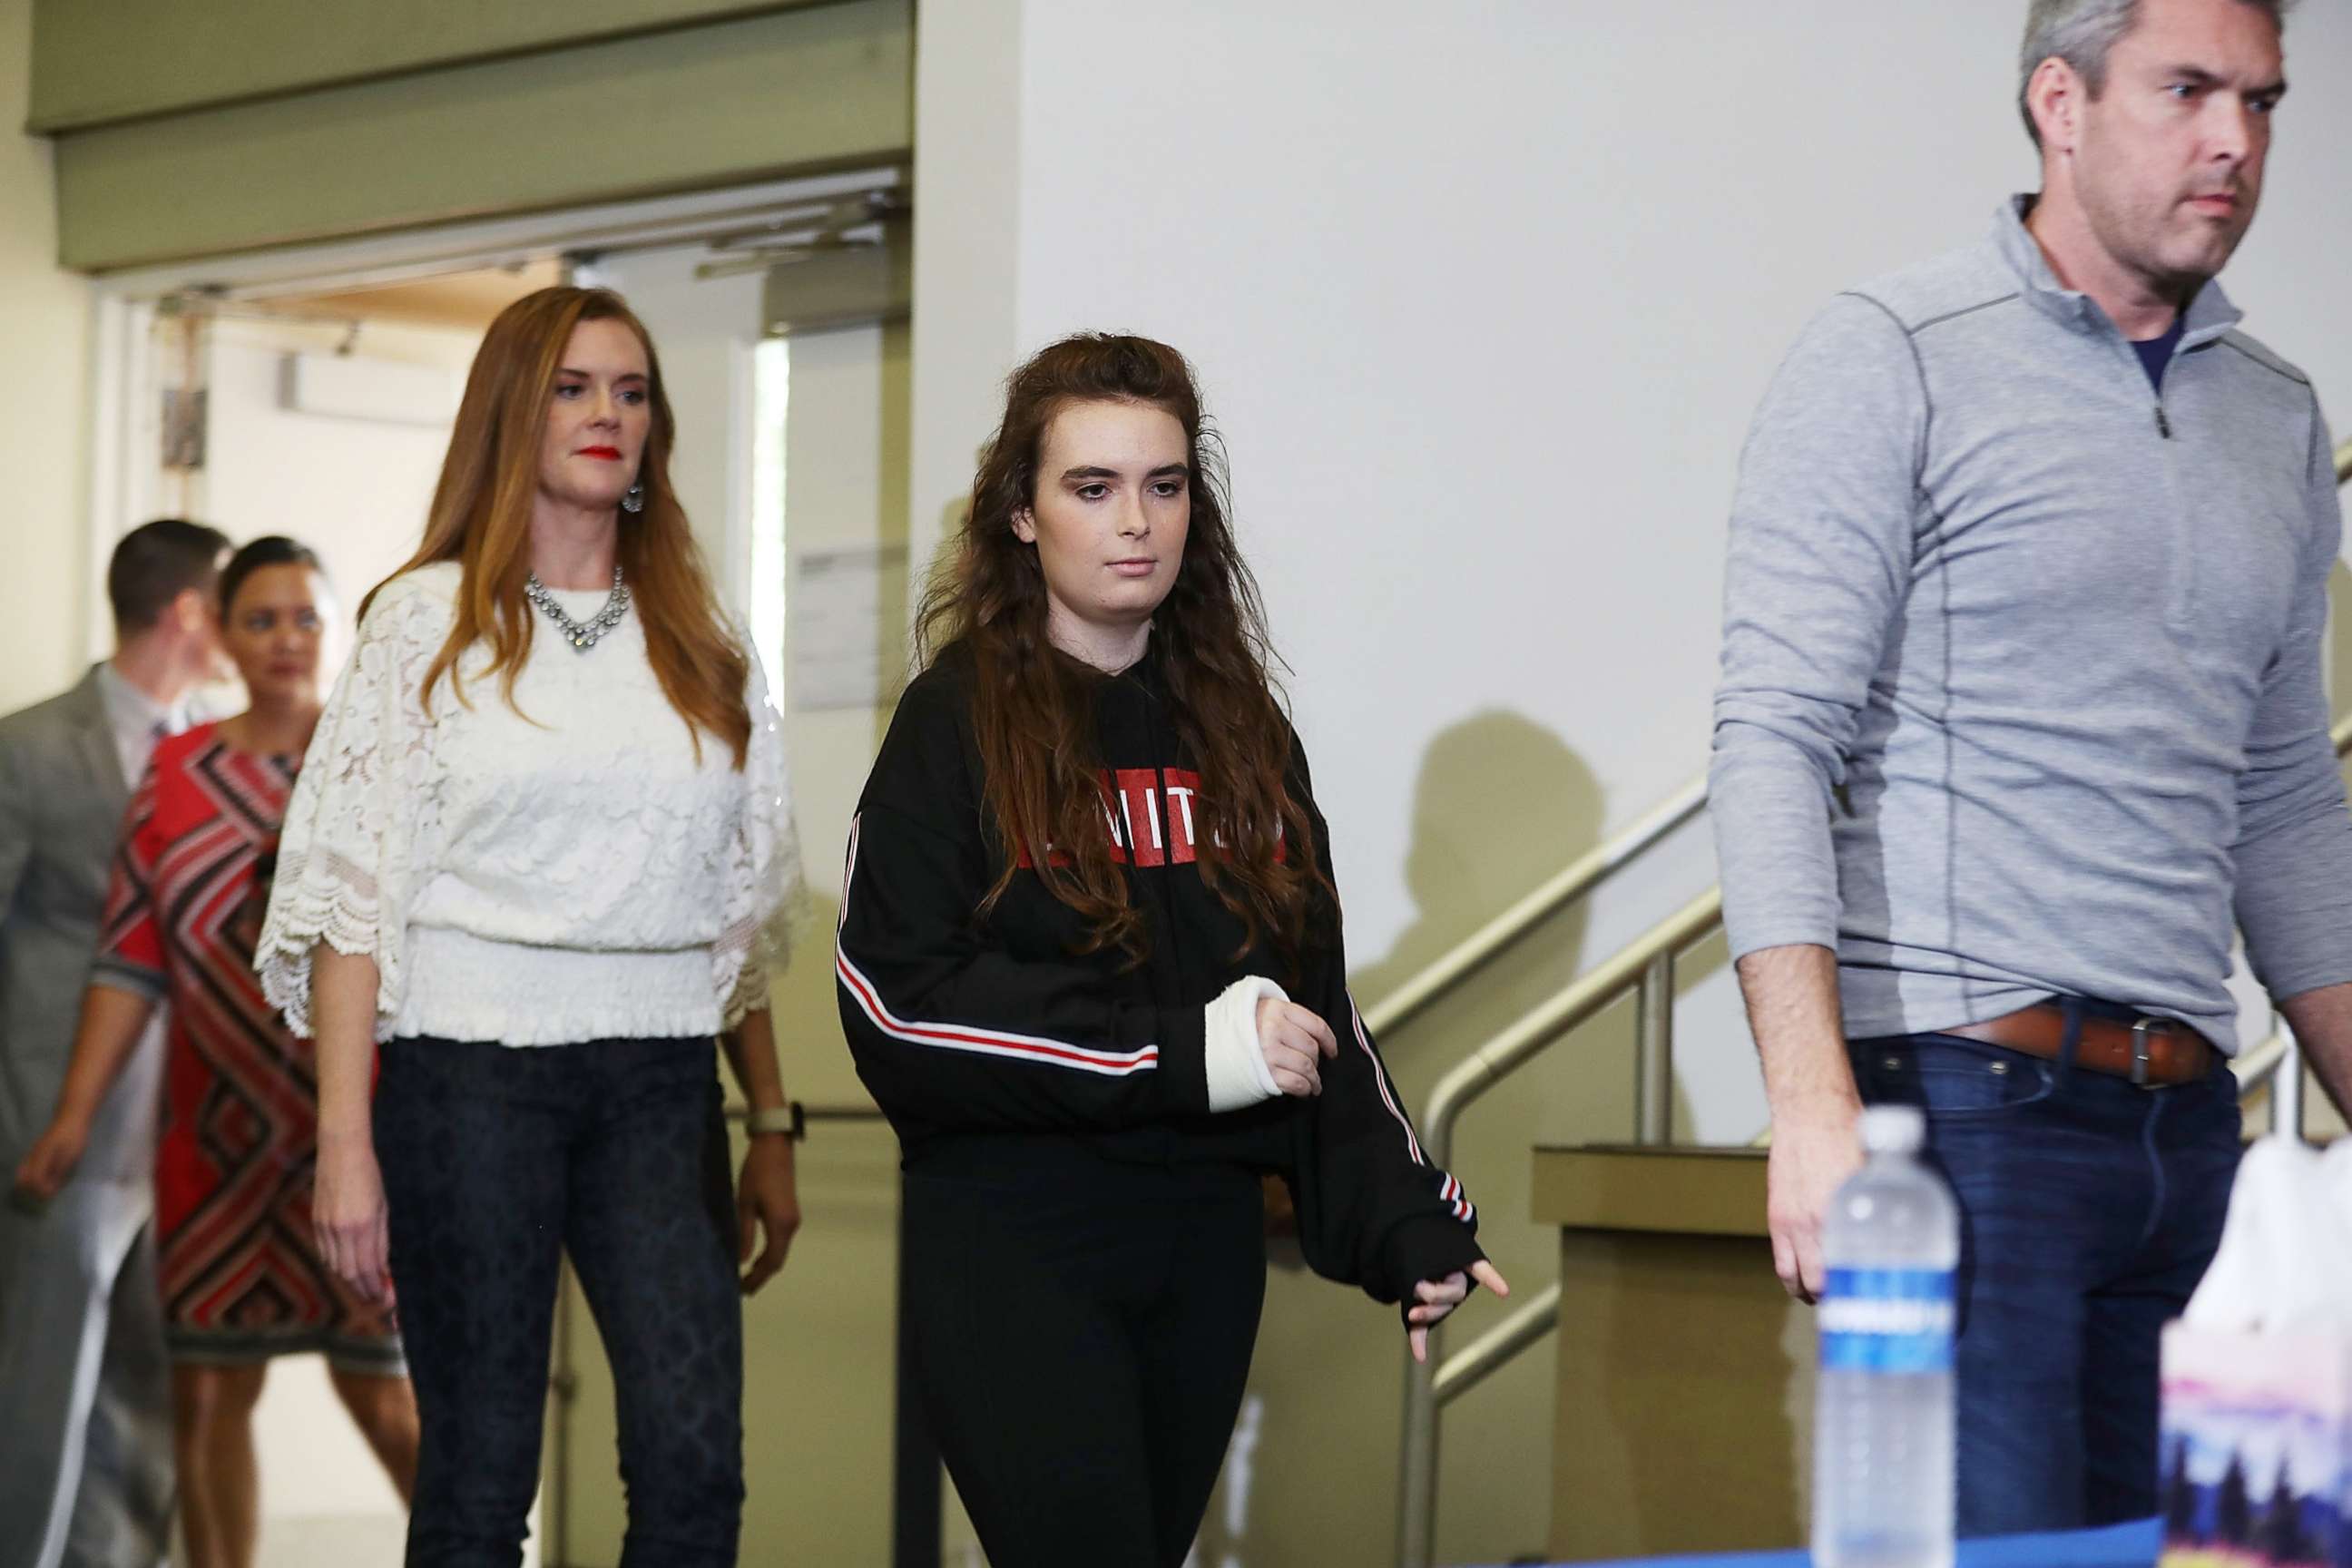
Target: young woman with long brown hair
[
  {"x": 1090, "y": 966},
  {"x": 540, "y": 865}
]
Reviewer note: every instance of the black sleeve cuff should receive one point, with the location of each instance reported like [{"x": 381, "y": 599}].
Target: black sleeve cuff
[
  {"x": 1423, "y": 1247},
  {"x": 1184, "y": 1060}
]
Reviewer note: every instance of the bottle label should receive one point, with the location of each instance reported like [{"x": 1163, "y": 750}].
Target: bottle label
[{"x": 1887, "y": 1319}]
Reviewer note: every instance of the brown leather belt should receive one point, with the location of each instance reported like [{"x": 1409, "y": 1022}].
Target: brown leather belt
[{"x": 2150, "y": 1052}]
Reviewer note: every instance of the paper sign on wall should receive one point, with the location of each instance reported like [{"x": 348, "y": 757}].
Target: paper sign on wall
[{"x": 843, "y": 653}]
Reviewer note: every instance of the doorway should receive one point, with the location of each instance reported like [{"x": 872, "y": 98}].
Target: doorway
[{"x": 313, "y": 394}]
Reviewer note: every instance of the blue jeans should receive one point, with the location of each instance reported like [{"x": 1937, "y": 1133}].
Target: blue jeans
[
  {"x": 497, "y": 1160},
  {"x": 2089, "y": 1209}
]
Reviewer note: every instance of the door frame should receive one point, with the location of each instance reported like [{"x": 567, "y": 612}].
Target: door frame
[
  {"x": 126, "y": 485},
  {"x": 124, "y": 481}
]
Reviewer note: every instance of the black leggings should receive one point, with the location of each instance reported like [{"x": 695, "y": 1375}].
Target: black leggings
[
  {"x": 1083, "y": 1332},
  {"x": 495, "y": 1160}
]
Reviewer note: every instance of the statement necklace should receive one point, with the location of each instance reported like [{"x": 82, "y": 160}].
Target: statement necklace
[{"x": 581, "y": 634}]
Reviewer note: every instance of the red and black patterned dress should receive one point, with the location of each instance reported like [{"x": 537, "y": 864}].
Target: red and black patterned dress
[{"x": 241, "y": 1277}]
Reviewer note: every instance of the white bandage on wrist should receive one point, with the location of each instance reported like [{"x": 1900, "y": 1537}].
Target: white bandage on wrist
[{"x": 1238, "y": 1076}]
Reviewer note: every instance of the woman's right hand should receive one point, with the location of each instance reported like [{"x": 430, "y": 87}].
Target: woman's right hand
[
  {"x": 1296, "y": 1044},
  {"x": 347, "y": 1216},
  {"x": 51, "y": 1161}
]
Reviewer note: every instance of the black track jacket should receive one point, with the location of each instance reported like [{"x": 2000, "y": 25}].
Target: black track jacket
[{"x": 999, "y": 1029}]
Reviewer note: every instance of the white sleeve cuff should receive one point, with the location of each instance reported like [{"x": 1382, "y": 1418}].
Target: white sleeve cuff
[{"x": 1238, "y": 1076}]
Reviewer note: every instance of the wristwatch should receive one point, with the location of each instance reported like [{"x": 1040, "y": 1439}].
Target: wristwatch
[{"x": 787, "y": 1119}]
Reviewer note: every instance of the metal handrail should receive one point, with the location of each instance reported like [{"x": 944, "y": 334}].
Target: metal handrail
[
  {"x": 1444, "y": 975},
  {"x": 2258, "y": 1065},
  {"x": 1644, "y": 968},
  {"x": 1646, "y": 971}
]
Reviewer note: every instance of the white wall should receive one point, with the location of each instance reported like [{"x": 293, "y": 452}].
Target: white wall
[
  {"x": 968, "y": 127},
  {"x": 1482, "y": 294},
  {"x": 45, "y": 322},
  {"x": 353, "y": 489}
]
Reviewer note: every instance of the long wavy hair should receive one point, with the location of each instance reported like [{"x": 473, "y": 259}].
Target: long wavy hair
[
  {"x": 1034, "y": 705},
  {"x": 481, "y": 514}
]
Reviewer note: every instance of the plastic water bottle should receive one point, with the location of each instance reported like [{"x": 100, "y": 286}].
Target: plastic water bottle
[{"x": 1883, "y": 1456}]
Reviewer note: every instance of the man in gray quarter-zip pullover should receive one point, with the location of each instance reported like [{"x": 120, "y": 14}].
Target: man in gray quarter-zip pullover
[{"x": 2020, "y": 701}]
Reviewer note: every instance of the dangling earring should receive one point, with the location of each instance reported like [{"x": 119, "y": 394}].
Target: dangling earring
[{"x": 633, "y": 500}]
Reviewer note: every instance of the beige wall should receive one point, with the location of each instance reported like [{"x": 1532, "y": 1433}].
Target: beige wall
[
  {"x": 822, "y": 87},
  {"x": 130, "y": 58},
  {"x": 45, "y": 323}
]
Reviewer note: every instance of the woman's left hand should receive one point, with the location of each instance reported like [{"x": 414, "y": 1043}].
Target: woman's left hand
[
  {"x": 1437, "y": 1297},
  {"x": 765, "y": 1200}
]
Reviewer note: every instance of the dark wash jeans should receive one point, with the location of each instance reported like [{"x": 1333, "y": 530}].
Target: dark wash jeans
[
  {"x": 2089, "y": 1209},
  {"x": 497, "y": 1160}
]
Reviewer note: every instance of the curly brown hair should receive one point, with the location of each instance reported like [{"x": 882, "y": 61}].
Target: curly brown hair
[{"x": 1033, "y": 704}]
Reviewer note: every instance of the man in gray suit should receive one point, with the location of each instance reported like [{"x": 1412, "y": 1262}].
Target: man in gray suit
[{"x": 85, "y": 1388}]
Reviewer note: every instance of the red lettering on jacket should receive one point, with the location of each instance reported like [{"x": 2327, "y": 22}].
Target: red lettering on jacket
[{"x": 1153, "y": 817}]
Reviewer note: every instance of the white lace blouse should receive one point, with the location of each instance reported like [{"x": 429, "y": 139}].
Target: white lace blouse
[{"x": 565, "y": 873}]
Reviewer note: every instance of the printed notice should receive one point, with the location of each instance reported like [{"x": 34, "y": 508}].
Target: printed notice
[{"x": 844, "y": 615}]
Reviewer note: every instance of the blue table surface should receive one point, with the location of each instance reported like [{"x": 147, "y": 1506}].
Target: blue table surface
[{"x": 2133, "y": 1545}]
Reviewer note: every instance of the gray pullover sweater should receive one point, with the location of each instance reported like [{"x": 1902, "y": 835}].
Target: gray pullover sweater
[{"x": 2021, "y": 686}]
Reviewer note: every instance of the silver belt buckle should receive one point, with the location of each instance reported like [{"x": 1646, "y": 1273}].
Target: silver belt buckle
[{"x": 2142, "y": 1058}]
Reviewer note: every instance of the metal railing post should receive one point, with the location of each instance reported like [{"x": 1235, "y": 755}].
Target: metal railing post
[
  {"x": 1653, "y": 1072},
  {"x": 1417, "y": 1463},
  {"x": 1416, "y": 1541},
  {"x": 2286, "y": 1086},
  {"x": 1428, "y": 1387},
  {"x": 1416, "y": 1530}
]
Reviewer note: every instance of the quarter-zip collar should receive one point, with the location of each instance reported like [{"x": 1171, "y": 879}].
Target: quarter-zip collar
[{"x": 2209, "y": 314}]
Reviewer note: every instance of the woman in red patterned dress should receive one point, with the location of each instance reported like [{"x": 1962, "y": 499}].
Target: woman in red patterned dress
[{"x": 241, "y": 1277}]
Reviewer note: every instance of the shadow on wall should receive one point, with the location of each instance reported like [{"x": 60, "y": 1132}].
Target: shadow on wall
[{"x": 1500, "y": 804}]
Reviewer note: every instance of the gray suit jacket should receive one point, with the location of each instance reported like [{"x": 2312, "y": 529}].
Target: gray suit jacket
[
  {"x": 62, "y": 796},
  {"x": 88, "y": 1468}
]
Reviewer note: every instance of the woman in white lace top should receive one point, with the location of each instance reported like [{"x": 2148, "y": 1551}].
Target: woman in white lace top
[{"x": 535, "y": 862}]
